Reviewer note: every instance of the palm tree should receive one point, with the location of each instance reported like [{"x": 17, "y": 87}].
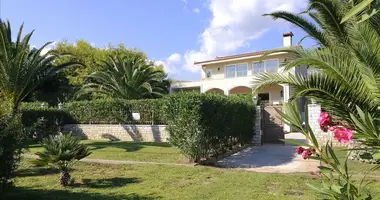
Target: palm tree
[
  {"x": 348, "y": 59},
  {"x": 23, "y": 69},
  {"x": 128, "y": 77},
  {"x": 62, "y": 151}
]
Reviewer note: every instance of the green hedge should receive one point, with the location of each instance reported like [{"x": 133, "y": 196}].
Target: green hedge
[
  {"x": 97, "y": 112},
  {"x": 200, "y": 125},
  {"x": 205, "y": 125}
]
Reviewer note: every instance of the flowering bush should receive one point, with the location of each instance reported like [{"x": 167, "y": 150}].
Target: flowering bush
[
  {"x": 341, "y": 133},
  {"x": 338, "y": 182},
  {"x": 324, "y": 120}
]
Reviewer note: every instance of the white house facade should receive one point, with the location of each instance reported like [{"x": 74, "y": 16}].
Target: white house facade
[{"x": 234, "y": 75}]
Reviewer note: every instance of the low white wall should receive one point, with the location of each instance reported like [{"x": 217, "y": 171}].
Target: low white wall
[{"x": 124, "y": 132}]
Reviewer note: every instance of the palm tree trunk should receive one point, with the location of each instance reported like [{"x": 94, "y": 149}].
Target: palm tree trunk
[{"x": 65, "y": 179}]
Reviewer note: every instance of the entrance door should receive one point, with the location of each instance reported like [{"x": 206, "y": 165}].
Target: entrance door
[{"x": 273, "y": 129}]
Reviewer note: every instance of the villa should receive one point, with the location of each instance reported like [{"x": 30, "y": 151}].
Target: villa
[{"x": 233, "y": 74}]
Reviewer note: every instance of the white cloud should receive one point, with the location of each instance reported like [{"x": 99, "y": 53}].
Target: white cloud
[
  {"x": 234, "y": 24},
  {"x": 185, "y": 2},
  {"x": 196, "y": 10},
  {"x": 171, "y": 64}
]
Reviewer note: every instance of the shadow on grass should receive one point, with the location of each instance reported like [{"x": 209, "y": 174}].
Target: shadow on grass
[
  {"x": 36, "y": 172},
  {"x": 128, "y": 146},
  {"x": 66, "y": 194},
  {"x": 106, "y": 183}
]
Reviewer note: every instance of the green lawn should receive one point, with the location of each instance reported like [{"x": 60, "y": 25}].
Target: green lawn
[
  {"x": 109, "y": 182},
  {"x": 357, "y": 167},
  {"x": 121, "y": 150},
  {"x": 106, "y": 182}
]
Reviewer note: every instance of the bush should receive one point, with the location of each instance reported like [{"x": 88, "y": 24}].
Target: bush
[
  {"x": 97, "y": 112},
  {"x": 205, "y": 125},
  {"x": 11, "y": 141}
]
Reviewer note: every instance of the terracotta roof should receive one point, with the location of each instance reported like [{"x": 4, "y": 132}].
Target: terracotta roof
[{"x": 218, "y": 58}]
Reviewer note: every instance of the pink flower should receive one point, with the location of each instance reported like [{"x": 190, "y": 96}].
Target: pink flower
[
  {"x": 324, "y": 120},
  {"x": 306, "y": 154},
  {"x": 343, "y": 135},
  {"x": 300, "y": 150},
  {"x": 332, "y": 128}
]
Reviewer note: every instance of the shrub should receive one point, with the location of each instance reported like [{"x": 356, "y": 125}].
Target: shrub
[
  {"x": 62, "y": 152},
  {"x": 205, "y": 125},
  {"x": 11, "y": 141},
  {"x": 97, "y": 112}
]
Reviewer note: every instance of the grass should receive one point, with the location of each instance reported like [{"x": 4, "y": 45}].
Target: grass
[
  {"x": 106, "y": 182},
  {"x": 122, "y": 150},
  {"x": 355, "y": 166}
]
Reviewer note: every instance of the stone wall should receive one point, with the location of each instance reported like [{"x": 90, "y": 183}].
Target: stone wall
[
  {"x": 258, "y": 128},
  {"x": 124, "y": 132},
  {"x": 314, "y": 110}
]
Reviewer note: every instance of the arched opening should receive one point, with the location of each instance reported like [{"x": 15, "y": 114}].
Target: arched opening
[
  {"x": 240, "y": 90},
  {"x": 215, "y": 90}
]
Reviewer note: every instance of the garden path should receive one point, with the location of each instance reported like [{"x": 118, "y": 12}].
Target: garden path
[{"x": 271, "y": 158}]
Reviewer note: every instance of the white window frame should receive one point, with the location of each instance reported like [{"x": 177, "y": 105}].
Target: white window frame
[
  {"x": 235, "y": 65},
  {"x": 265, "y": 65}
]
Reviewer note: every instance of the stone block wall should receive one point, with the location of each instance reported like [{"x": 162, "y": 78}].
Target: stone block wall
[
  {"x": 258, "y": 128},
  {"x": 124, "y": 132},
  {"x": 314, "y": 110}
]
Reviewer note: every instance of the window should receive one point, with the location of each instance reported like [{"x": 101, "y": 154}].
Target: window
[
  {"x": 271, "y": 65},
  {"x": 230, "y": 71},
  {"x": 241, "y": 70},
  {"x": 263, "y": 96},
  {"x": 238, "y": 70},
  {"x": 265, "y": 66},
  {"x": 258, "y": 67}
]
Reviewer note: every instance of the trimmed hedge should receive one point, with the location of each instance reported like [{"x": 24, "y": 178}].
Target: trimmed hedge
[
  {"x": 97, "y": 112},
  {"x": 200, "y": 125},
  {"x": 206, "y": 125}
]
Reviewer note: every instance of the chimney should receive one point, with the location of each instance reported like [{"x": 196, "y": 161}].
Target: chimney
[{"x": 287, "y": 39}]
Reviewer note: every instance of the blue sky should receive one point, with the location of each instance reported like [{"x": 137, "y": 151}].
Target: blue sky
[{"x": 173, "y": 32}]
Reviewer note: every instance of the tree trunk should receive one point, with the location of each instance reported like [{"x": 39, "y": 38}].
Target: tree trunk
[{"x": 65, "y": 179}]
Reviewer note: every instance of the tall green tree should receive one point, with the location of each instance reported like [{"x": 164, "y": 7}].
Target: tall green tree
[
  {"x": 23, "y": 69},
  {"x": 362, "y": 10},
  {"x": 92, "y": 58},
  {"x": 347, "y": 60},
  {"x": 127, "y": 77}
]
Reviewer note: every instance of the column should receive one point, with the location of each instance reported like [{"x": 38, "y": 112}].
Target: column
[
  {"x": 257, "y": 128},
  {"x": 286, "y": 91}
]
